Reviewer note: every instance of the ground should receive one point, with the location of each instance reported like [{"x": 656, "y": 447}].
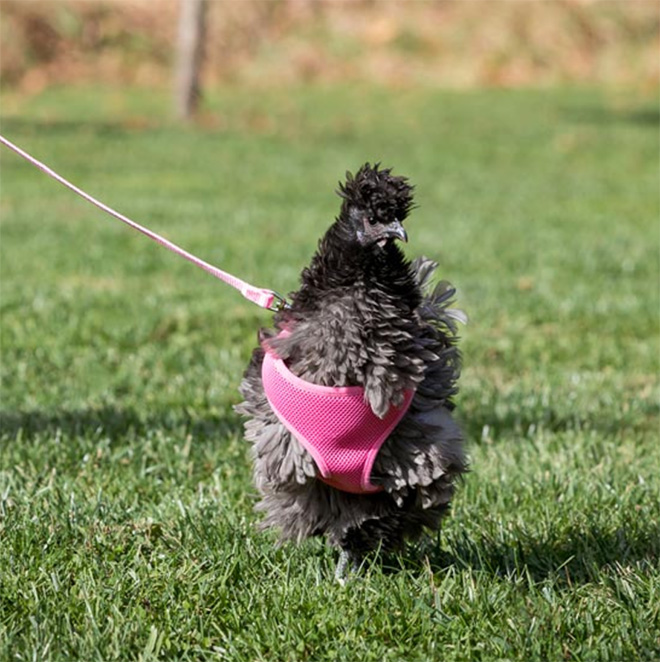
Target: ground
[{"x": 126, "y": 500}]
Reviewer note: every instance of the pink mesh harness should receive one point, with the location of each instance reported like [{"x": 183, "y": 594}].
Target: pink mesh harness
[{"x": 334, "y": 424}]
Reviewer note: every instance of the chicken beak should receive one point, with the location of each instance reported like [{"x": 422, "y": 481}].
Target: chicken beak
[{"x": 396, "y": 230}]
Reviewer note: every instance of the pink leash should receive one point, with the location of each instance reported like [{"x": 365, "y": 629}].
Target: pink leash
[{"x": 262, "y": 297}]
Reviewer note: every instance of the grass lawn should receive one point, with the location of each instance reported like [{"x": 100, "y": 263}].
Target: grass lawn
[{"x": 126, "y": 522}]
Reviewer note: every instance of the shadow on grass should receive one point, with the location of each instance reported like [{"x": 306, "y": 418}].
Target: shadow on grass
[
  {"x": 114, "y": 423},
  {"x": 643, "y": 116},
  {"x": 526, "y": 422},
  {"x": 485, "y": 425},
  {"x": 575, "y": 556},
  {"x": 569, "y": 556},
  {"x": 102, "y": 128}
]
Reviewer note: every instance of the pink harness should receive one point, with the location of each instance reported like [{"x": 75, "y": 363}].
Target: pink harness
[{"x": 334, "y": 424}]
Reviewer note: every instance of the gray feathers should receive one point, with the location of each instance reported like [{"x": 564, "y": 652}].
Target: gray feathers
[
  {"x": 364, "y": 316},
  {"x": 359, "y": 336}
]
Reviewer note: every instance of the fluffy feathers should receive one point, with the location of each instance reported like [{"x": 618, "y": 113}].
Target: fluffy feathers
[{"x": 364, "y": 316}]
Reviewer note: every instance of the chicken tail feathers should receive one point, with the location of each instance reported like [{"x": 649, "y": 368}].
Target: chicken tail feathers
[{"x": 437, "y": 302}]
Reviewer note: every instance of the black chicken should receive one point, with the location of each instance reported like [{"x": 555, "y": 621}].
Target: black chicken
[{"x": 363, "y": 316}]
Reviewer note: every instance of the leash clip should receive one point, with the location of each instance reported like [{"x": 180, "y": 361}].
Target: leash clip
[{"x": 279, "y": 303}]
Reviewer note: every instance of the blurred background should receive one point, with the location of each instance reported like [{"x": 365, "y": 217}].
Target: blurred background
[
  {"x": 447, "y": 43},
  {"x": 530, "y": 130}
]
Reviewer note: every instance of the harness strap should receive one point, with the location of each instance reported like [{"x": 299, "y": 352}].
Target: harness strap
[
  {"x": 334, "y": 424},
  {"x": 262, "y": 297}
]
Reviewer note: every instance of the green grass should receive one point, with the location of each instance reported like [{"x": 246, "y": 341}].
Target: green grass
[{"x": 126, "y": 522}]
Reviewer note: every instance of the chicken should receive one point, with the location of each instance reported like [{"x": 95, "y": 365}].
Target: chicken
[{"x": 364, "y": 316}]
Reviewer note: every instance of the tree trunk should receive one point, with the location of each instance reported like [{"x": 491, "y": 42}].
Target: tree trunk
[{"x": 190, "y": 52}]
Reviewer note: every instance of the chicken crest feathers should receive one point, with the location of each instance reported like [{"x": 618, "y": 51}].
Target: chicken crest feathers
[{"x": 393, "y": 195}]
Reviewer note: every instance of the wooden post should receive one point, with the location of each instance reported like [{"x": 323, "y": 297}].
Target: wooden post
[{"x": 190, "y": 52}]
